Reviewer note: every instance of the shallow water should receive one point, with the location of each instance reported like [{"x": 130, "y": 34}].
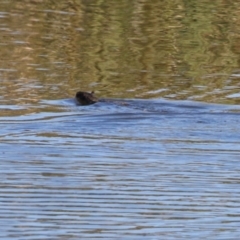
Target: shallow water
[{"x": 159, "y": 160}]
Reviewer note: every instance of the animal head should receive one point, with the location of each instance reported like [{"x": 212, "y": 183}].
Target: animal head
[{"x": 85, "y": 98}]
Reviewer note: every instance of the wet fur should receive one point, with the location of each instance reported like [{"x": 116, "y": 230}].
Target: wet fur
[{"x": 85, "y": 98}]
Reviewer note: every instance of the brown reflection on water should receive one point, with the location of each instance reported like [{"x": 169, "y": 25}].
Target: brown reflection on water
[
  {"x": 208, "y": 52},
  {"x": 140, "y": 49}
]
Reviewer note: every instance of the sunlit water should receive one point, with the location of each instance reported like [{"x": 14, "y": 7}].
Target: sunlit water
[{"x": 151, "y": 169}]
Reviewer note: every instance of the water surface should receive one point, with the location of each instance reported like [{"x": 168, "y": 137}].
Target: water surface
[
  {"x": 160, "y": 160},
  {"x": 148, "y": 169}
]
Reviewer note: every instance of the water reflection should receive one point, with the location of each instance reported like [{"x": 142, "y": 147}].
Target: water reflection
[
  {"x": 153, "y": 49},
  {"x": 106, "y": 170},
  {"x": 143, "y": 169}
]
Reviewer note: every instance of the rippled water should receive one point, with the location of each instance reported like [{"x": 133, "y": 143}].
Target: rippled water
[
  {"x": 147, "y": 169},
  {"x": 151, "y": 162}
]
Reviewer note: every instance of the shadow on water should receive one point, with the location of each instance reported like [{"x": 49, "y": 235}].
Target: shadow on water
[{"x": 137, "y": 169}]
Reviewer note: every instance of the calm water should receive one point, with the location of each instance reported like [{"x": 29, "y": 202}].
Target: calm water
[{"x": 160, "y": 161}]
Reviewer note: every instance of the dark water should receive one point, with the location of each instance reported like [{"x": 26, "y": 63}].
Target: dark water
[{"x": 160, "y": 160}]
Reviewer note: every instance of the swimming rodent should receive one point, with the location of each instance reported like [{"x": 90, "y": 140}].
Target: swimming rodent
[{"x": 85, "y": 98}]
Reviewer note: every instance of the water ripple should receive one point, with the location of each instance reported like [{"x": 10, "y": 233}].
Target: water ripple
[{"x": 109, "y": 172}]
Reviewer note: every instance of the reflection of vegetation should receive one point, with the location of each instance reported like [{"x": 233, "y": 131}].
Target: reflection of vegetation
[{"x": 176, "y": 49}]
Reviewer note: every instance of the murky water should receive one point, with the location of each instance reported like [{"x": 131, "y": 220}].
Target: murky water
[{"x": 150, "y": 163}]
